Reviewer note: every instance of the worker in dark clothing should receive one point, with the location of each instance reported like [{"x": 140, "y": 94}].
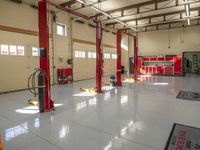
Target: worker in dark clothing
[
  {"x": 190, "y": 67},
  {"x": 187, "y": 65}
]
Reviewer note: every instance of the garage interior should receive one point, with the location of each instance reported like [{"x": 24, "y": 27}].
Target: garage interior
[{"x": 99, "y": 74}]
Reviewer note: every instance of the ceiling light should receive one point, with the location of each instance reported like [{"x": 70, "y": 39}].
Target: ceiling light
[
  {"x": 81, "y": 1},
  {"x": 108, "y": 15},
  {"x": 187, "y": 11},
  {"x": 188, "y": 21}
]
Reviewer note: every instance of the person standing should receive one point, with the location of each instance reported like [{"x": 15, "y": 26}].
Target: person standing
[{"x": 187, "y": 65}]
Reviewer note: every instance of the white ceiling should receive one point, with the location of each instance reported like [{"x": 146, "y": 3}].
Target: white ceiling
[{"x": 145, "y": 11}]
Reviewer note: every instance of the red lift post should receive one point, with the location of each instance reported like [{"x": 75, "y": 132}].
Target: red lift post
[
  {"x": 135, "y": 76},
  {"x": 44, "y": 44},
  {"x": 98, "y": 39},
  {"x": 99, "y": 57},
  {"x": 119, "y": 80}
]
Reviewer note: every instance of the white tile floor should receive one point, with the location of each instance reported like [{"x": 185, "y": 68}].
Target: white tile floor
[{"x": 138, "y": 116}]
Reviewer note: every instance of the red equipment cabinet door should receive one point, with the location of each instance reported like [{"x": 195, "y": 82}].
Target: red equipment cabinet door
[
  {"x": 153, "y": 59},
  {"x": 160, "y": 58},
  {"x": 146, "y": 70},
  {"x": 150, "y": 70},
  {"x": 162, "y": 70},
  {"x": 158, "y": 70},
  {"x": 60, "y": 76},
  {"x": 169, "y": 59},
  {"x": 154, "y": 70},
  {"x": 169, "y": 70},
  {"x": 146, "y": 59},
  {"x": 178, "y": 65}
]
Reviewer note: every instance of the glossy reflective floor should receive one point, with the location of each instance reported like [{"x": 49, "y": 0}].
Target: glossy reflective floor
[{"x": 138, "y": 116}]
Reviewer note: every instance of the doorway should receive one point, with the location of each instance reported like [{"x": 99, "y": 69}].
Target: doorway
[{"x": 191, "y": 62}]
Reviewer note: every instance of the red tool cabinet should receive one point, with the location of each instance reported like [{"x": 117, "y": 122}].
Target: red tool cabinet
[
  {"x": 168, "y": 65},
  {"x": 65, "y": 76}
]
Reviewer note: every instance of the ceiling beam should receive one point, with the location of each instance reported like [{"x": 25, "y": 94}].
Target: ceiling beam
[
  {"x": 89, "y": 5},
  {"x": 154, "y": 16},
  {"x": 69, "y": 3},
  {"x": 150, "y": 2},
  {"x": 166, "y": 23}
]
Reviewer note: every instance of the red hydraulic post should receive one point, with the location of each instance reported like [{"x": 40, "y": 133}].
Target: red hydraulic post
[
  {"x": 119, "y": 80},
  {"x": 135, "y": 56},
  {"x": 44, "y": 53},
  {"x": 99, "y": 57}
]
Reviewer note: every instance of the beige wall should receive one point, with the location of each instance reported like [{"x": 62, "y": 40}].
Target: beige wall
[
  {"x": 22, "y": 16},
  {"x": 157, "y": 42},
  {"x": 86, "y": 68}
]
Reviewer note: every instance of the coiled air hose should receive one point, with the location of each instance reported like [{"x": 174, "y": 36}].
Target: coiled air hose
[{"x": 31, "y": 82}]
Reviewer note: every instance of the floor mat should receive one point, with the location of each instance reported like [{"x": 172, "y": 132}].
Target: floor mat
[
  {"x": 183, "y": 137},
  {"x": 189, "y": 95}
]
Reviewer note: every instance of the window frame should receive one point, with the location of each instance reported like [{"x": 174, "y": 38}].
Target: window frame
[
  {"x": 115, "y": 56},
  {"x": 63, "y": 26},
  {"x": 92, "y": 55},
  {"x": 3, "y": 54},
  {"x": 105, "y": 55},
  {"x": 79, "y": 54},
  {"x": 38, "y": 51},
  {"x": 19, "y": 49}
]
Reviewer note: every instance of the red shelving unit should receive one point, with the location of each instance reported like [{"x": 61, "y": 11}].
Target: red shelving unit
[
  {"x": 168, "y": 65},
  {"x": 64, "y": 75}
]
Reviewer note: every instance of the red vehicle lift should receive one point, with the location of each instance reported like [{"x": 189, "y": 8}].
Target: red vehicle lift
[
  {"x": 99, "y": 57},
  {"x": 44, "y": 43},
  {"x": 119, "y": 80},
  {"x": 135, "y": 57},
  {"x": 44, "y": 52}
]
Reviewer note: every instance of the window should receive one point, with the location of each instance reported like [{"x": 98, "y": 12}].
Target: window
[
  {"x": 13, "y": 50},
  {"x": 35, "y": 51},
  {"x": 4, "y": 50},
  {"x": 91, "y": 55},
  {"x": 114, "y": 56},
  {"x": 20, "y": 50},
  {"x": 79, "y": 54},
  {"x": 61, "y": 29},
  {"x": 107, "y": 56}
]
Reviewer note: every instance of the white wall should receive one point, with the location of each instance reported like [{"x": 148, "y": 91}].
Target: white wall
[
  {"x": 86, "y": 68},
  {"x": 15, "y": 70},
  {"x": 157, "y": 42}
]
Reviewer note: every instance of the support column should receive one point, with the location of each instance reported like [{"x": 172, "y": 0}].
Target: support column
[
  {"x": 119, "y": 80},
  {"x": 135, "y": 76},
  {"x": 99, "y": 57},
  {"x": 44, "y": 55}
]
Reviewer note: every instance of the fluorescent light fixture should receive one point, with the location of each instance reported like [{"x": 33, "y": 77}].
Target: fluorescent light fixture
[
  {"x": 81, "y": 1},
  {"x": 189, "y": 21},
  {"x": 106, "y": 14},
  {"x": 187, "y": 11},
  {"x": 95, "y": 8}
]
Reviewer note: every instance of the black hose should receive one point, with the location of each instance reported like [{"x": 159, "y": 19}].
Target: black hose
[{"x": 31, "y": 82}]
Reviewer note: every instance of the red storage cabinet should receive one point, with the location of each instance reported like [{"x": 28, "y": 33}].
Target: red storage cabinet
[
  {"x": 155, "y": 70},
  {"x": 161, "y": 58},
  {"x": 178, "y": 65},
  {"x": 64, "y": 75},
  {"x": 168, "y": 70},
  {"x": 170, "y": 65},
  {"x": 153, "y": 59}
]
